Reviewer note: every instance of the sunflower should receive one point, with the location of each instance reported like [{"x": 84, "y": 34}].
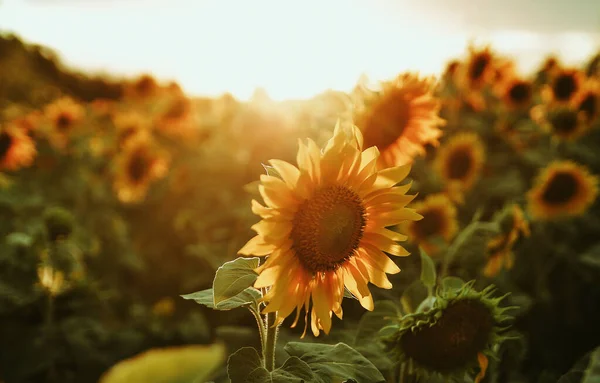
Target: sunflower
[
  {"x": 324, "y": 228},
  {"x": 17, "y": 149},
  {"x": 400, "y": 119},
  {"x": 587, "y": 102},
  {"x": 138, "y": 166},
  {"x": 439, "y": 221},
  {"x": 479, "y": 69},
  {"x": 460, "y": 161},
  {"x": 499, "y": 249},
  {"x": 128, "y": 125},
  {"x": 515, "y": 92},
  {"x": 177, "y": 120},
  {"x": 143, "y": 87},
  {"x": 562, "y": 189},
  {"x": 563, "y": 122},
  {"x": 563, "y": 86},
  {"x": 63, "y": 114},
  {"x": 452, "y": 338}
]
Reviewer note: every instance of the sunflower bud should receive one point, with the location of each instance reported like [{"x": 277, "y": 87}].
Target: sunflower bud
[{"x": 59, "y": 223}]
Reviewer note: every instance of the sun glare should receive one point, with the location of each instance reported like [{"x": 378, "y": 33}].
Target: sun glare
[{"x": 291, "y": 49}]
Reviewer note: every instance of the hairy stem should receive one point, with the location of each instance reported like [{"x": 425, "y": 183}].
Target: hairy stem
[{"x": 271, "y": 341}]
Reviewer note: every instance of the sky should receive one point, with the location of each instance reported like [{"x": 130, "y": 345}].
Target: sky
[{"x": 295, "y": 49}]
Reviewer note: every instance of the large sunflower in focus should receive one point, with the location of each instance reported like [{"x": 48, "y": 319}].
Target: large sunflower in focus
[
  {"x": 562, "y": 189},
  {"x": 137, "y": 167},
  {"x": 17, "y": 149},
  {"x": 400, "y": 119},
  {"x": 439, "y": 222},
  {"x": 324, "y": 228},
  {"x": 459, "y": 162}
]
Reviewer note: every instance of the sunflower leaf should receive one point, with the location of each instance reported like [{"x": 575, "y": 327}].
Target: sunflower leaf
[
  {"x": 335, "y": 362},
  {"x": 185, "y": 364},
  {"x": 245, "y": 366},
  {"x": 428, "y": 273},
  {"x": 247, "y": 298},
  {"x": 233, "y": 277},
  {"x": 586, "y": 370}
]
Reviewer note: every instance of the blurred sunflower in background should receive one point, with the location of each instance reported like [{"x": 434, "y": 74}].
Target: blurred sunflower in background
[
  {"x": 143, "y": 87},
  {"x": 439, "y": 222},
  {"x": 178, "y": 118},
  {"x": 564, "y": 86},
  {"x": 499, "y": 249},
  {"x": 515, "y": 93},
  {"x": 400, "y": 119},
  {"x": 128, "y": 125},
  {"x": 324, "y": 228},
  {"x": 562, "y": 189},
  {"x": 17, "y": 149},
  {"x": 459, "y": 162},
  {"x": 479, "y": 69},
  {"x": 137, "y": 167},
  {"x": 563, "y": 122},
  {"x": 63, "y": 115},
  {"x": 587, "y": 102}
]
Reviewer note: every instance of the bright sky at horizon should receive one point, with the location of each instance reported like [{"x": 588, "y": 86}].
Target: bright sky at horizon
[{"x": 293, "y": 49}]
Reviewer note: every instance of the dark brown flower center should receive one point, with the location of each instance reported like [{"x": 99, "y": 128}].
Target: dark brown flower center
[
  {"x": 431, "y": 224},
  {"x": 460, "y": 164},
  {"x": 327, "y": 228},
  {"x": 388, "y": 120},
  {"x": 564, "y": 121},
  {"x": 564, "y": 87},
  {"x": 589, "y": 106},
  {"x": 561, "y": 188},
  {"x": 138, "y": 166},
  {"x": 520, "y": 92},
  {"x": 454, "y": 341},
  {"x": 478, "y": 66},
  {"x": 6, "y": 141},
  {"x": 63, "y": 122}
]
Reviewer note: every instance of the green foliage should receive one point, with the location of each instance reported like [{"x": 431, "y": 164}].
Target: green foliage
[
  {"x": 586, "y": 370},
  {"x": 248, "y": 297},
  {"x": 233, "y": 278}
]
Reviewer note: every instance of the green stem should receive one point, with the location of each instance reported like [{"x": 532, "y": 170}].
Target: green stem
[
  {"x": 261, "y": 330},
  {"x": 271, "y": 341}
]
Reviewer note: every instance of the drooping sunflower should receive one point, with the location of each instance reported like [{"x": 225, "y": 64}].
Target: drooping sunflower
[
  {"x": 137, "y": 167},
  {"x": 562, "y": 189},
  {"x": 452, "y": 338},
  {"x": 17, "y": 149},
  {"x": 400, "y": 119},
  {"x": 563, "y": 86},
  {"x": 63, "y": 114},
  {"x": 439, "y": 222},
  {"x": 459, "y": 162},
  {"x": 563, "y": 122},
  {"x": 324, "y": 228},
  {"x": 499, "y": 249}
]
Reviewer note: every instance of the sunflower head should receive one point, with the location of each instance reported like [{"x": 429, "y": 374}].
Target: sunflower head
[
  {"x": 17, "y": 149},
  {"x": 143, "y": 87},
  {"x": 128, "y": 126},
  {"x": 563, "y": 86},
  {"x": 564, "y": 123},
  {"x": 138, "y": 166},
  {"x": 516, "y": 93},
  {"x": 453, "y": 336},
  {"x": 460, "y": 160},
  {"x": 324, "y": 225},
  {"x": 439, "y": 222},
  {"x": 562, "y": 189},
  {"x": 587, "y": 102},
  {"x": 479, "y": 69},
  {"x": 400, "y": 118},
  {"x": 63, "y": 114}
]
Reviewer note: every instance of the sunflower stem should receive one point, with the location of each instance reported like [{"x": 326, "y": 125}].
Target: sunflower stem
[
  {"x": 270, "y": 341},
  {"x": 261, "y": 330}
]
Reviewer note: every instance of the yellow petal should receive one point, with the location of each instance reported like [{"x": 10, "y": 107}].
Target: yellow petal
[
  {"x": 391, "y": 176},
  {"x": 377, "y": 277},
  {"x": 378, "y": 260},
  {"x": 357, "y": 286},
  {"x": 256, "y": 246},
  {"x": 275, "y": 192},
  {"x": 384, "y": 243},
  {"x": 288, "y": 172}
]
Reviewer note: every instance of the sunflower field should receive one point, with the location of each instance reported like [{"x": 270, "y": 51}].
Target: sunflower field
[{"x": 417, "y": 229}]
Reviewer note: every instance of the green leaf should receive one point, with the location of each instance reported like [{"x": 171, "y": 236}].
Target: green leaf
[
  {"x": 247, "y": 298},
  {"x": 186, "y": 364},
  {"x": 452, "y": 283},
  {"x": 428, "y": 273},
  {"x": 271, "y": 171},
  {"x": 233, "y": 277},
  {"x": 335, "y": 362},
  {"x": 19, "y": 239},
  {"x": 245, "y": 366}
]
